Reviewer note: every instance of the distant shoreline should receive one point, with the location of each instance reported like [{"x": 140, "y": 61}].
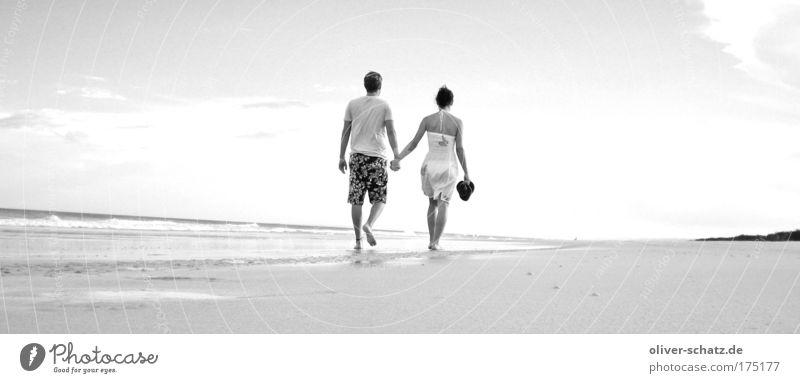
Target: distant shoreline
[{"x": 780, "y": 236}]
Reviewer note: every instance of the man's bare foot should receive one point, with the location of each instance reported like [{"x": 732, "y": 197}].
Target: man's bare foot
[
  {"x": 358, "y": 244},
  {"x": 370, "y": 238}
]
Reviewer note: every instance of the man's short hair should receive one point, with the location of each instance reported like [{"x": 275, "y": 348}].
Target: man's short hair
[
  {"x": 373, "y": 82},
  {"x": 445, "y": 97}
]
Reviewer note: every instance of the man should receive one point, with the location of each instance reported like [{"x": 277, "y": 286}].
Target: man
[{"x": 367, "y": 124}]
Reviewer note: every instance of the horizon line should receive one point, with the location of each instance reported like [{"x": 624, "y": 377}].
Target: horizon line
[{"x": 288, "y": 225}]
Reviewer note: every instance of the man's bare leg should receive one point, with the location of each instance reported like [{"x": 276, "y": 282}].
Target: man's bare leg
[
  {"x": 355, "y": 212},
  {"x": 374, "y": 213},
  {"x": 432, "y": 203},
  {"x": 441, "y": 221}
]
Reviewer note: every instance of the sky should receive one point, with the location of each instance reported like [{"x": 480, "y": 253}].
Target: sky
[{"x": 582, "y": 118}]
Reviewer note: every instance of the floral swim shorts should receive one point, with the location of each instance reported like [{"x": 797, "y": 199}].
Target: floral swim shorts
[{"x": 367, "y": 175}]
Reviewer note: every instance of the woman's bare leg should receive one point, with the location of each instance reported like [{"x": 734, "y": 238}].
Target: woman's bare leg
[
  {"x": 432, "y": 203},
  {"x": 441, "y": 221}
]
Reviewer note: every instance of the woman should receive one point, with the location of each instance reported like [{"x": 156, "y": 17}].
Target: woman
[{"x": 440, "y": 169}]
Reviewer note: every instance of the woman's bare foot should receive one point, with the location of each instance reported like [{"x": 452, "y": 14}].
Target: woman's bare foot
[
  {"x": 430, "y": 246},
  {"x": 358, "y": 244},
  {"x": 370, "y": 238},
  {"x": 436, "y": 247}
]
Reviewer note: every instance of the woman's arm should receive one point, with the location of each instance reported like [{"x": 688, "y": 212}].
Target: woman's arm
[
  {"x": 462, "y": 157},
  {"x": 414, "y": 141}
]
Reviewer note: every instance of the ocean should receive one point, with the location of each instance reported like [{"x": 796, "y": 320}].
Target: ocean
[{"x": 45, "y": 236}]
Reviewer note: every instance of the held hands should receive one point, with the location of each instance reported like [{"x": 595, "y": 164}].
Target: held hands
[{"x": 394, "y": 165}]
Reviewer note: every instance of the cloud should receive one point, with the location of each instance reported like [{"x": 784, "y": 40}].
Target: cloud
[
  {"x": 46, "y": 121},
  {"x": 755, "y": 106},
  {"x": 73, "y": 136},
  {"x": 764, "y": 35},
  {"x": 91, "y": 92},
  {"x": 258, "y": 135},
  {"x": 101, "y": 94},
  {"x": 276, "y": 104},
  {"x": 93, "y": 78},
  {"x": 207, "y": 123},
  {"x": 82, "y": 86},
  {"x": 324, "y": 88},
  {"x": 778, "y": 46},
  {"x": 134, "y": 127},
  {"x": 26, "y": 119},
  {"x": 49, "y": 122}
]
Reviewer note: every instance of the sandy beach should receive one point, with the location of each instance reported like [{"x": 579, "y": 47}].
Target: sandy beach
[{"x": 68, "y": 280}]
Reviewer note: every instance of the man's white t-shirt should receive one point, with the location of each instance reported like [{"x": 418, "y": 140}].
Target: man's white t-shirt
[{"x": 367, "y": 134}]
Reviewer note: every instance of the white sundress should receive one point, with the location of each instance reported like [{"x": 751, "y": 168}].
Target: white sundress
[{"x": 440, "y": 167}]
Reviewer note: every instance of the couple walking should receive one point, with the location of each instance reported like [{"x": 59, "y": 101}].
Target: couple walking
[{"x": 367, "y": 124}]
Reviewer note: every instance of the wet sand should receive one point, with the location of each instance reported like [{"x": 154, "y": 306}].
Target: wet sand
[{"x": 552, "y": 287}]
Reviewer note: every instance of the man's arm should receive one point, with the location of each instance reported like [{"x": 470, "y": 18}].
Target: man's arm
[
  {"x": 343, "y": 146},
  {"x": 392, "y": 137}
]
